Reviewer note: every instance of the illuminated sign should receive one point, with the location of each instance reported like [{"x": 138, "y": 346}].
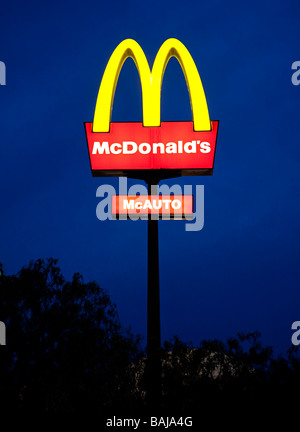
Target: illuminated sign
[
  {"x": 132, "y": 149},
  {"x": 168, "y": 206}
]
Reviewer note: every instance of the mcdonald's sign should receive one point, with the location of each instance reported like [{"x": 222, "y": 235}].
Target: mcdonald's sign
[{"x": 170, "y": 149}]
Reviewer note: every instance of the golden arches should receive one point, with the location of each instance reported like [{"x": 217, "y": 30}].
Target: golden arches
[{"x": 151, "y": 82}]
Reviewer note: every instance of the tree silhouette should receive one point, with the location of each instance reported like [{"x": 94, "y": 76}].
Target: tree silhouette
[
  {"x": 238, "y": 372},
  {"x": 67, "y": 352},
  {"x": 65, "y": 349}
]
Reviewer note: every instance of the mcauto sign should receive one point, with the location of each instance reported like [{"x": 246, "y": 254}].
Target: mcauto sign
[
  {"x": 168, "y": 149},
  {"x": 165, "y": 206}
]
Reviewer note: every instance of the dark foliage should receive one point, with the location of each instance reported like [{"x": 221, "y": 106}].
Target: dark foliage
[
  {"x": 236, "y": 373},
  {"x": 66, "y": 350}
]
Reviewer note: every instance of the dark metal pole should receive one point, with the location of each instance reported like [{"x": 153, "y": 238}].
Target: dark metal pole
[{"x": 153, "y": 316}]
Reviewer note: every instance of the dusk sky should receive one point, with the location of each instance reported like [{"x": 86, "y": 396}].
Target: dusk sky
[{"x": 240, "y": 273}]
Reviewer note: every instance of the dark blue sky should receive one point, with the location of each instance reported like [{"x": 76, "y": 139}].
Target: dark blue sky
[{"x": 241, "y": 272}]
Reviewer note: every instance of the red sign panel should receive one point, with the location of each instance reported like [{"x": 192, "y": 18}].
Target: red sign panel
[
  {"x": 174, "y": 206},
  {"x": 129, "y": 147}
]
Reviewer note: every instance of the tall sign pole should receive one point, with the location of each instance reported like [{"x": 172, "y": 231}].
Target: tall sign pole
[{"x": 153, "y": 365}]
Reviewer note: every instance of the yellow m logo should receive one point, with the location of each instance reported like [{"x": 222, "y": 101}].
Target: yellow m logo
[{"x": 151, "y": 82}]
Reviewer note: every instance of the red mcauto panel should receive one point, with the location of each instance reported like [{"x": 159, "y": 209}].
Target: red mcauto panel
[
  {"x": 131, "y": 146},
  {"x": 173, "y": 205}
]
